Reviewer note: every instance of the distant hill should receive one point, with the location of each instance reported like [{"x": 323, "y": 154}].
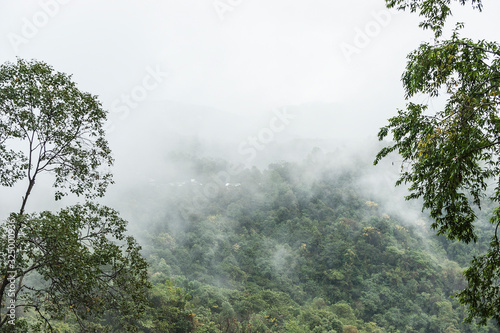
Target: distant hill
[{"x": 298, "y": 247}]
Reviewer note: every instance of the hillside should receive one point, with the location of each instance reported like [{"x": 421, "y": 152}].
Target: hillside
[{"x": 296, "y": 247}]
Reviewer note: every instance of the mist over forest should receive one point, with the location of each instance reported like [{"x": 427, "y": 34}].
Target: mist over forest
[
  {"x": 258, "y": 228},
  {"x": 259, "y": 224},
  {"x": 159, "y": 158},
  {"x": 249, "y": 143}
]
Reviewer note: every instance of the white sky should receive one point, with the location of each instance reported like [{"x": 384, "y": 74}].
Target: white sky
[
  {"x": 257, "y": 56},
  {"x": 261, "y": 55}
]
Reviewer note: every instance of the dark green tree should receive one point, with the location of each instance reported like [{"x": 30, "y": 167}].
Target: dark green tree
[
  {"x": 76, "y": 263},
  {"x": 168, "y": 310},
  {"x": 451, "y": 156}
]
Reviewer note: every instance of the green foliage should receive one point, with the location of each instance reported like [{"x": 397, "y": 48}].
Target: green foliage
[
  {"x": 76, "y": 266},
  {"x": 332, "y": 261},
  {"x": 482, "y": 293},
  {"x": 434, "y": 12},
  {"x": 457, "y": 145},
  {"x": 62, "y": 126},
  {"x": 450, "y": 158},
  {"x": 167, "y": 310},
  {"x": 73, "y": 264}
]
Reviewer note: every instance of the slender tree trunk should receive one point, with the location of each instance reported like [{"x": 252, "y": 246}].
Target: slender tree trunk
[{"x": 5, "y": 281}]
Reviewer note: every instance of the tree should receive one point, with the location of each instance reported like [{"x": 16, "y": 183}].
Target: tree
[
  {"x": 77, "y": 263},
  {"x": 451, "y": 156},
  {"x": 169, "y": 310}
]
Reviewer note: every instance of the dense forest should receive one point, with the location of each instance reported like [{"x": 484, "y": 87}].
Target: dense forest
[
  {"x": 294, "y": 247},
  {"x": 221, "y": 217},
  {"x": 212, "y": 207}
]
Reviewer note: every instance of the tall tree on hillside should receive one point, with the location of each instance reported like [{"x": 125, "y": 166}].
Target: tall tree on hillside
[
  {"x": 451, "y": 156},
  {"x": 77, "y": 262}
]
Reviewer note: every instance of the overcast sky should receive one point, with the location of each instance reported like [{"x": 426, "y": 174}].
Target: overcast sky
[
  {"x": 238, "y": 56},
  {"x": 338, "y": 63}
]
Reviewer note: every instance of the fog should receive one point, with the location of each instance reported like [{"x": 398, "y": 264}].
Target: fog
[{"x": 248, "y": 82}]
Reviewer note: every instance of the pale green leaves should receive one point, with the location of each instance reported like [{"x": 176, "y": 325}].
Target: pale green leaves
[
  {"x": 450, "y": 152},
  {"x": 86, "y": 265},
  {"x": 61, "y": 127},
  {"x": 434, "y": 12},
  {"x": 77, "y": 262},
  {"x": 453, "y": 154}
]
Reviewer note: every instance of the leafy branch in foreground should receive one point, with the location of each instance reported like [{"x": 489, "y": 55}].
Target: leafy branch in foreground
[
  {"x": 72, "y": 264},
  {"x": 77, "y": 262},
  {"x": 435, "y": 12},
  {"x": 453, "y": 154}
]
